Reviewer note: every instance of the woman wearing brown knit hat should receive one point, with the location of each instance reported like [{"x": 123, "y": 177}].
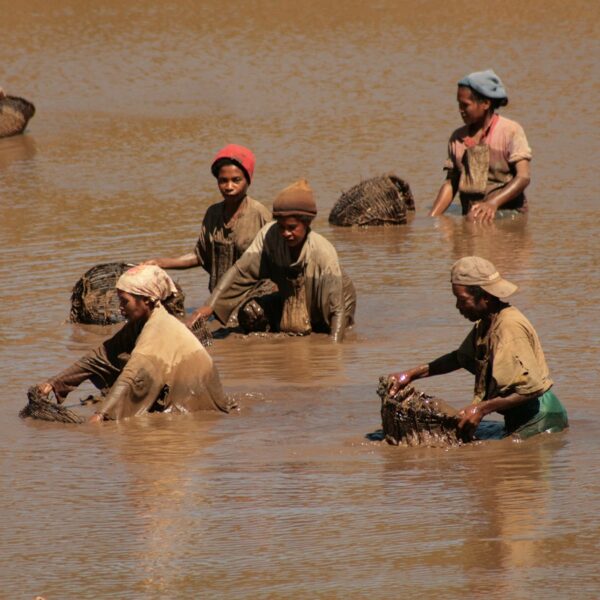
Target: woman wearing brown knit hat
[{"x": 314, "y": 293}]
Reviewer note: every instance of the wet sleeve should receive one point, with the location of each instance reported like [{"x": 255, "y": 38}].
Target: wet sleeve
[
  {"x": 239, "y": 281},
  {"x": 466, "y": 352},
  {"x": 135, "y": 390},
  {"x": 334, "y": 306},
  {"x": 202, "y": 245},
  {"x": 518, "y": 147},
  {"x": 515, "y": 367},
  {"x": 102, "y": 365},
  {"x": 450, "y": 162}
]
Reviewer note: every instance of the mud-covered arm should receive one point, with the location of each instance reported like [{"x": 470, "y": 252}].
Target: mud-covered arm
[
  {"x": 102, "y": 365},
  {"x": 185, "y": 261},
  {"x": 239, "y": 280},
  {"x": 135, "y": 390},
  {"x": 333, "y": 289}
]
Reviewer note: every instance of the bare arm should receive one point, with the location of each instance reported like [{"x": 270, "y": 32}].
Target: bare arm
[
  {"x": 485, "y": 211},
  {"x": 185, "y": 261},
  {"x": 472, "y": 415},
  {"x": 444, "y": 364},
  {"x": 445, "y": 196}
]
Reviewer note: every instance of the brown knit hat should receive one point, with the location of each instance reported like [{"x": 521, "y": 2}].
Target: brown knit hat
[{"x": 296, "y": 199}]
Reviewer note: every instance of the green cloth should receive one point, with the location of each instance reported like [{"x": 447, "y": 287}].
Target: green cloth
[{"x": 551, "y": 417}]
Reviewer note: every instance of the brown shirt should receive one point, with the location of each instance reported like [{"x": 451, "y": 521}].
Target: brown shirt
[
  {"x": 505, "y": 357},
  {"x": 220, "y": 244}
]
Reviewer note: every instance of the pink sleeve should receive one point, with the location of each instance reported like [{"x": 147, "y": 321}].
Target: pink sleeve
[{"x": 518, "y": 147}]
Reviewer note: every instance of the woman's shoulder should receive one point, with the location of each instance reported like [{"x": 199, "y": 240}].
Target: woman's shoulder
[
  {"x": 321, "y": 246},
  {"x": 258, "y": 207},
  {"x": 511, "y": 322},
  {"x": 459, "y": 134},
  {"x": 508, "y": 125},
  {"x": 164, "y": 335}
]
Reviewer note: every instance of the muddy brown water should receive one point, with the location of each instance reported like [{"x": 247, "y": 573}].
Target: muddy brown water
[{"x": 287, "y": 499}]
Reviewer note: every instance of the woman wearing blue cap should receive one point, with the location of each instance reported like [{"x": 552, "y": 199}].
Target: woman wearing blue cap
[{"x": 488, "y": 158}]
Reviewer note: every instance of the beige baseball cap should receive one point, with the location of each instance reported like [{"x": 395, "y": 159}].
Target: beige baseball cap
[{"x": 473, "y": 270}]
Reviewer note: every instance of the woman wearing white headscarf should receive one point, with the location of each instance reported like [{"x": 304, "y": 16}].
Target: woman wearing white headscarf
[{"x": 153, "y": 364}]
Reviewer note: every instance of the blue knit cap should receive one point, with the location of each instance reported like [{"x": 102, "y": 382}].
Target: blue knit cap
[{"x": 487, "y": 83}]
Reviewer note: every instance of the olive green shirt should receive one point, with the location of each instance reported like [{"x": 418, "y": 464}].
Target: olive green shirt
[{"x": 506, "y": 356}]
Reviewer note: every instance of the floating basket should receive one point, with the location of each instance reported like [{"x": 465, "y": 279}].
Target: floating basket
[
  {"x": 94, "y": 297},
  {"x": 15, "y": 113},
  {"x": 38, "y": 407},
  {"x": 413, "y": 418},
  {"x": 383, "y": 200}
]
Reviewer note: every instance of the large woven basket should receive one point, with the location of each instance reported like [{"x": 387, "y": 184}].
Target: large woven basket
[
  {"x": 383, "y": 200},
  {"x": 94, "y": 297},
  {"x": 15, "y": 113},
  {"x": 413, "y": 418}
]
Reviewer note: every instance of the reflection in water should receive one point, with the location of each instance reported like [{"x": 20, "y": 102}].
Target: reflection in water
[
  {"x": 506, "y": 241},
  {"x": 16, "y": 149},
  {"x": 286, "y": 498}
]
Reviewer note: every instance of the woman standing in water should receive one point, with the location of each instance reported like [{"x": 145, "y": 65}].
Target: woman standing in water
[
  {"x": 229, "y": 226},
  {"x": 314, "y": 293},
  {"x": 488, "y": 158},
  {"x": 504, "y": 353}
]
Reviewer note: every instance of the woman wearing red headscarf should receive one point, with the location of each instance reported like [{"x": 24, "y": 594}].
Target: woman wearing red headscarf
[{"x": 229, "y": 226}]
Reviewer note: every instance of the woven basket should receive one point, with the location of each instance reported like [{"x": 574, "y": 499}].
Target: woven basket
[
  {"x": 38, "y": 407},
  {"x": 383, "y": 200},
  {"x": 413, "y": 418},
  {"x": 15, "y": 113},
  {"x": 94, "y": 297}
]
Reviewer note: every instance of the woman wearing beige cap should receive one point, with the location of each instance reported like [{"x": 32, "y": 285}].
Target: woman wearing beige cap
[
  {"x": 314, "y": 293},
  {"x": 502, "y": 351}
]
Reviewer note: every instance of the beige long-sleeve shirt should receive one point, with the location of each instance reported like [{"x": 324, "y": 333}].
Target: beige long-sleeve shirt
[
  {"x": 329, "y": 292},
  {"x": 157, "y": 366}
]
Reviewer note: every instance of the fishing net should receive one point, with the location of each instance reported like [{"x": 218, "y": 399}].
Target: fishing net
[
  {"x": 412, "y": 418},
  {"x": 39, "y": 407},
  {"x": 94, "y": 297},
  {"x": 15, "y": 112},
  {"x": 381, "y": 200}
]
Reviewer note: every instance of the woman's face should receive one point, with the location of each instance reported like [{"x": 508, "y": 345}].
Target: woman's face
[
  {"x": 232, "y": 183},
  {"x": 292, "y": 230},
  {"x": 471, "y": 110},
  {"x": 134, "y": 308},
  {"x": 468, "y": 305}
]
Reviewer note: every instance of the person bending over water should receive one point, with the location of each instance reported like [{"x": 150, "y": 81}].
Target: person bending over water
[
  {"x": 229, "y": 226},
  {"x": 488, "y": 158},
  {"x": 314, "y": 293},
  {"x": 154, "y": 363},
  {"x": 502, "y": 351}
]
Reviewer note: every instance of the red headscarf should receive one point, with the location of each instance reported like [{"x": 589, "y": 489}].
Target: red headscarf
[{"x": 239, "y": 155}]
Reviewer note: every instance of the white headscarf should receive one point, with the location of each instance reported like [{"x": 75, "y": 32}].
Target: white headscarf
[{"x": 147, "y": 280}]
